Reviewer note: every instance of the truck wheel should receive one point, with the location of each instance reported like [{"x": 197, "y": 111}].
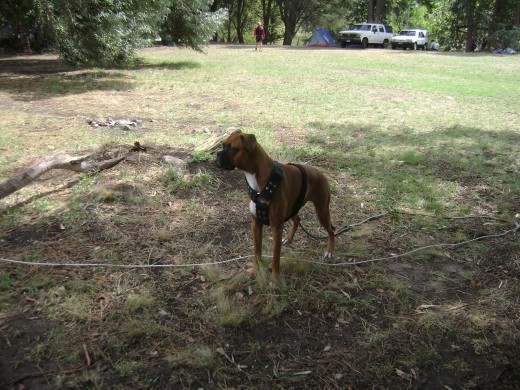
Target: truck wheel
[
  {"x": 414, "y": 47},
  {"x": 394, "y": 47},
  {"x": 343, "y": 44},
  {"x": 385, "y": 44},
  {"x": 364, "y": 43}
]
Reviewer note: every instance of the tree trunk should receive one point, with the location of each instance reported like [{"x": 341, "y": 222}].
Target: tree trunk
[
  {"x": 370, "y": 16},
  {"x": 229, "y": 23},
  {"x": 289, "y": 13},
  {"x": 228, "y": 27},
  {"x": 287, "y": 37},
  {"x": 495, "y": 17},
  {"x": 517, "y": 14},
  {"x": 267, "y": 15},
  {"x": 472, "y": 30},
  {"x": 239, "y": 20},
  {"x": 55, "y": 161},
  {"x": 295, "y": 12},
  {"x": 471, "y": 42},
  {"x": 240, "y": 35},
  {"x": 379, "y": 10}
]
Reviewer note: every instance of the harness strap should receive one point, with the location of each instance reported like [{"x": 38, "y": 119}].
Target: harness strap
[
  {"x": 303, "y": 191},
  {"x": 277, "y": 175},
  {"x": 267, "y": 193}
]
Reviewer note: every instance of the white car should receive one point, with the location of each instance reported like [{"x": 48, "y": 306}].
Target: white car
[{"x": 412, "y": 38}]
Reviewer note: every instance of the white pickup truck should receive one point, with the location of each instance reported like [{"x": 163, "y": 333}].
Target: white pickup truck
[{"x": 365, "y": 34}]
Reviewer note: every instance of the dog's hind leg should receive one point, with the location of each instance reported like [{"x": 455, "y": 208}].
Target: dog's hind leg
[
  {"x": 323, "y": 215},
  {"x": 295, "y": 223}
]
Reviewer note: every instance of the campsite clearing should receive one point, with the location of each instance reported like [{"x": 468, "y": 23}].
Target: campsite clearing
[{"x": 444, "y": 171}]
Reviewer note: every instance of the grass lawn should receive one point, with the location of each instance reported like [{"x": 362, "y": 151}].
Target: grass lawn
[{"x": 427, "y": 140}]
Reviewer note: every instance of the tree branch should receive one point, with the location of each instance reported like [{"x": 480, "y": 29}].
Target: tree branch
[{"x": 56, "y": 161}]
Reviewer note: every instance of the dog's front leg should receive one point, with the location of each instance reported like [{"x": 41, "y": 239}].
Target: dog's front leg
[
  {"x": 295, "y": 223},
  {"x": 277, "y": 232},
  {"x": 256, "y": 227}
]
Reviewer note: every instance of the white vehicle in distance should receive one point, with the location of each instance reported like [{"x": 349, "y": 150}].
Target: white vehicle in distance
[
  {"x": 412, "y": 38},
  {"x": 366, "y": 34}
]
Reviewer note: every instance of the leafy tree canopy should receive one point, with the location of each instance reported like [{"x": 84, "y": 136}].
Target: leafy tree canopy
[
  {"x": 101, "y": 32},
  {"x": 107, "y": 32},
  {"x": 191, "y": 24}
]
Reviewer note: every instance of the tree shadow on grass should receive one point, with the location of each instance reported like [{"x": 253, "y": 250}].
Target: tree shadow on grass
[
  {"x": 170, "y": 65},
  {"x": 38, "y": 78},
  {"x": 405, "y": 163},
  {"x": 62, "y": 84},
  {"x": 34, "y": 65}
]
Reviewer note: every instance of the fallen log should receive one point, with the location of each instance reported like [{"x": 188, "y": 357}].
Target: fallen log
[{"x": 56, "y": 161}]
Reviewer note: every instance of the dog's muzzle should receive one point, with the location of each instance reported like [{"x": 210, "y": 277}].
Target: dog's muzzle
[{"x": 224, "y": 159}]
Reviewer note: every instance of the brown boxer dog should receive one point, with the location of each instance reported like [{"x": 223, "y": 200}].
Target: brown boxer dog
[{"x": 277, "y": 192}]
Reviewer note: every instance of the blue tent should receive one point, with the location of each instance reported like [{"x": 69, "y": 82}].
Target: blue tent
[{"x": 321, "y": 37}]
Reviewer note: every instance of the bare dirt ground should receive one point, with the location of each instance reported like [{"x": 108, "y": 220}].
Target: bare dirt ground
[{"x": 329, "y": 327}]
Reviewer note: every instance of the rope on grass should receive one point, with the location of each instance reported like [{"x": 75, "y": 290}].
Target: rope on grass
[
  {"x": 126, "y": 266},
  {"x": 361, "y": 262},
  {"x": 351, "y": 263},
  {"x": 346, "y": 228}
]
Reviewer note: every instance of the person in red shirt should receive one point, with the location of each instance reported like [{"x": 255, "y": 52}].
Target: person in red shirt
[{"x": 259, "y": 34}]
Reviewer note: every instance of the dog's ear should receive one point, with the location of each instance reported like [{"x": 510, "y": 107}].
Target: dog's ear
[{"x": 249, "y": 141}]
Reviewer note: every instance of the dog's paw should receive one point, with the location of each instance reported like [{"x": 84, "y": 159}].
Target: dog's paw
[{"x": 328, "y": 255}]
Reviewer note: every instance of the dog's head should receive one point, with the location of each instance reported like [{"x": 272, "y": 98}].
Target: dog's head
[{"x": 237, "y": 150}]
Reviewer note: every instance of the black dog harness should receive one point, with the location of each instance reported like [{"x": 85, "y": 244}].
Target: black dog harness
[{"x": 275, "y": 179}]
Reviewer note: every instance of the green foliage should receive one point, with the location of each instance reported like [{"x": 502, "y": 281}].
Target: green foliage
[
  {"x": 102, "y": 32},
  {"x": 177, "y": 179},
  {"x": 17, "y": 22},
  {"x": 190, "y": 24},
  {"x": 107, "y": 32},
  {"x": 21, "y": 11},
  {"x": 200, "y": 156},
  {"x": 508, "y": 36},
  {"x": 5, "y": 281}
]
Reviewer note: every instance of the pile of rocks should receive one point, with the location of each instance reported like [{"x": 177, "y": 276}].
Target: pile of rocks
[{"x": 124, "y": 124}]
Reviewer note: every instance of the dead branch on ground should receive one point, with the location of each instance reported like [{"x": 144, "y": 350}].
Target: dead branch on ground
[{"x": 59, "y": 160}]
